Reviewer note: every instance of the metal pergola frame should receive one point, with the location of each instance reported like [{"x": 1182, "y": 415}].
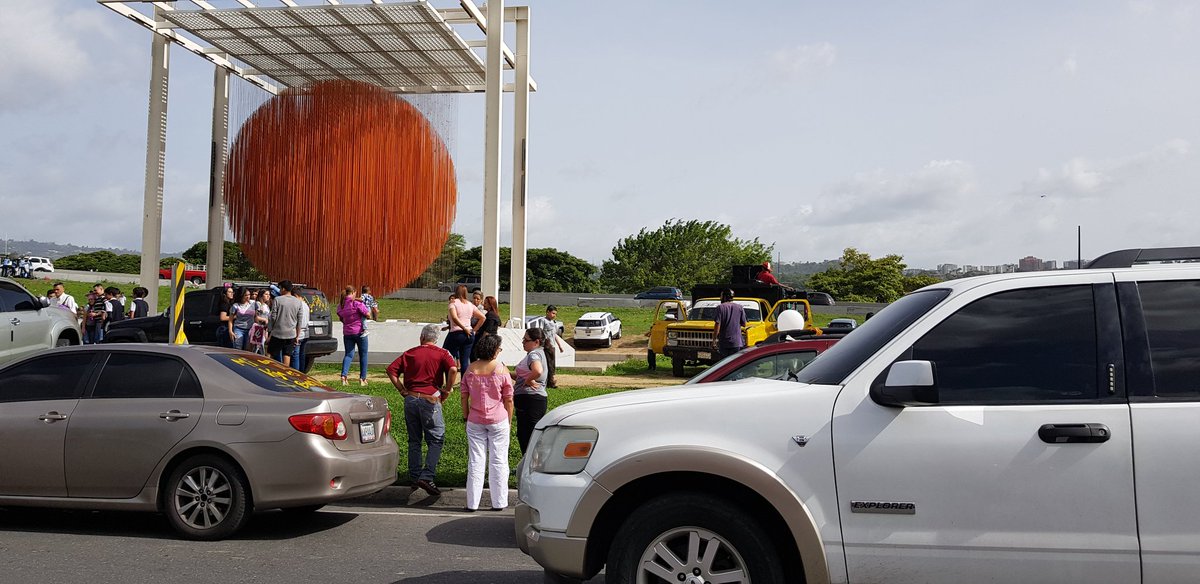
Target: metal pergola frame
[{"x": 404, "y": 46}]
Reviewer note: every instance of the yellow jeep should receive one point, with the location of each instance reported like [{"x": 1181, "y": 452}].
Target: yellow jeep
[{"x": 687, "y": 337}]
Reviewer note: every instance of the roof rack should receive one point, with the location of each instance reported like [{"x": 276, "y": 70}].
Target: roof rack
[{"x": 1126, "y": 258}]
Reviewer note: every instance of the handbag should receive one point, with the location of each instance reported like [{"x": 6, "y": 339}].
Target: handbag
[{"x": 258, "y": 333}]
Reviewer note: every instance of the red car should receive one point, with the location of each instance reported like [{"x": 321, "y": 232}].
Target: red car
[{"x": 768, "y": 361}]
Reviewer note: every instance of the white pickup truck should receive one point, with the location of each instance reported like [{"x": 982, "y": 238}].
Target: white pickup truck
[{"x": 1035, "y": 427}]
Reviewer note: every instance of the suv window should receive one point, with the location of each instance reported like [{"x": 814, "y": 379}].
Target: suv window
[
  {"x": 45, "y": 378},
  {"x": 140, "y": 375},
  {"x": 14, "y": 298},
  {"x": 1172, "y": 314},
  {"x": 1031, "y": 345},
  {"x": 198, "y": 305}
]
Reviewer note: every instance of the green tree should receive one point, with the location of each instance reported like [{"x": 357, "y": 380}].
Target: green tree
[
  {"x": 237, "y": 265},
  {"x": 546, "y": 269},
  {"x": 919, "y": 281},
  {"x": 859, "y": 278},
  {"x": 101, "y": 261},
  {"x": 681, "y": 254},
  {"x": 169, "y": 262},
  {"x": 443, "y": 268}
]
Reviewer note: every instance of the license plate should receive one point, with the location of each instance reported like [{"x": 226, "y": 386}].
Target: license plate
[
  {"x": 366, "y": 431},
  {"x": 318, "y": 330},
  {"x": 704, "y": 354}
]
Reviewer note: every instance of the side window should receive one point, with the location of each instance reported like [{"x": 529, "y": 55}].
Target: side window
[
  {"x": 1033, "y": 345},
  {"x": 47, "y": 378},
  {"x": 762, "y": 368},
  {"x": 199, "y": 306},
  {"x": 791, "y": 362},
  {"x": 133, "y": 375},
  {"x": 1172, "y": 315},
  {"x": 13, "y": 298}
]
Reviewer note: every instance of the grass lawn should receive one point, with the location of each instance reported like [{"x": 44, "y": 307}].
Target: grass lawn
[{"x": 452, "y": 469}]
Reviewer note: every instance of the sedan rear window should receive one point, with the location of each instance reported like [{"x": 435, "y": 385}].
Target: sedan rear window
[{"x": 268, "y": 373}]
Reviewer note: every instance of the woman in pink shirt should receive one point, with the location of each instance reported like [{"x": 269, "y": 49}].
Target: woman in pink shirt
[
  {"x": 487, "y": 405},
  {"x": 461, "y": 336},
  {"x": 352, "y": 312}
]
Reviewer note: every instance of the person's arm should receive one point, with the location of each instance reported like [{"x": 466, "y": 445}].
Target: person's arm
[
  {"x": 466, "y": 404},
  {"x": 535, "y": 371},
  {"x": 479, "y": 323},
  {"x": 506, "y": 394},
  {"x": 393, "y": 371},
  {"x": 717, "y": 330},
  {"x": 559, "y": 340},
  {"x": 451, "y": 377}
]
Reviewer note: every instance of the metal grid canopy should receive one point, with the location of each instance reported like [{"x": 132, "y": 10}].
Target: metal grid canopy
[{"x": 403, "y": 47}]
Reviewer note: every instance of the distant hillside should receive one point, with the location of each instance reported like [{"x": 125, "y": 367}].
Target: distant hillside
[
  {"x": 804, "y": 268},
  {"x": 57, "y": 250}
]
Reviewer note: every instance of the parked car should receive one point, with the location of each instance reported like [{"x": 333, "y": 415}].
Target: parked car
[
  {"x": 200, "y": 318},
  {"x": 660, "y": 293},
  {"x": 40, "y": 264},
  {"x": 31, "y": 323},
  {"x": 820, "y": 299},
  {"x": 191, "y": 273},
  {"x": 841, "y": 325},
  {"x": 954, "y": 435},
  {"x": 206, "y": 436},
  {"x": 473, "y": 284},
  {"x": 597, "y": 328},
  {"x": 562, "y": 328},
  {"x": 767, "y": 361}
]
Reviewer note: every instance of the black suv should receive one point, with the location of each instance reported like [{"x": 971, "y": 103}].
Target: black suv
[{"x": 200, "y": 318}]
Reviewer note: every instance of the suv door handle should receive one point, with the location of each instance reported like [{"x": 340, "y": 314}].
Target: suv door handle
[
  {"x": 1074, "y": 433},
  {"x": 50, "y": 417},
  {"x": 15, "y": 321},
  {"x": 173, "y": 415}
]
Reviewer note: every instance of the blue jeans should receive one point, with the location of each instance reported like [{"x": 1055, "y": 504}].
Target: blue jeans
[
  {"x": 351, "y": 342},
  {"x": 240, "y": 338},
  {"x": 459, "y": 344},
  {"x": 423, "y": 419},
  {"x": 93, "y": 334},
  {"x": 299, "y": 354}
]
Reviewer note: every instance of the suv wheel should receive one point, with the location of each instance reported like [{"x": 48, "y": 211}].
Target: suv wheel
[
  {"x": 608, "y": 341},
  {"x": 63, "y": 341},
  {"x": 197, "y": 280},
  {"x": 206, "y": 498},
  {"x": 691, "y": 537}
]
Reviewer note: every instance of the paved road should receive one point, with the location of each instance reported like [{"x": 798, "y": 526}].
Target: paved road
[{"x": 358, "y": 545}]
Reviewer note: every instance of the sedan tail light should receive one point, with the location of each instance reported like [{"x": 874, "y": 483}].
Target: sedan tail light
[
  {"x": 330, "y": 426},
  {"x": 387, "y": 422}
]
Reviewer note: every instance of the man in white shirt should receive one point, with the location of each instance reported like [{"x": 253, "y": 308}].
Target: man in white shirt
[{"x": 65, "y": 300}]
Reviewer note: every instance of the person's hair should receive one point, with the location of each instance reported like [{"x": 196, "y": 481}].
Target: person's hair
[
  {"x": 140, "y": 292},
  {"x": 112, "y": 290},
  {"x": 452, "y": 297},
  {"x": 461, "y": 292},
  {"x": 51, "y": 292},
  {"x": 487, "y": 347},
  {"x": 347, "y": 292},
  {"x": 57, "y": 284},
  {"x": 476, "y": 293},
  {"x": 489, "y": 304},
  {"x": 285, "y": 285},
  {"x": 535, "y": 334},
  {"x": 429, "y": 333},
  {"x": 97, "y": 285},
  {"x": 551, "y": 308},
  {"x": 726, "y": 295},
  {"x": 365, "y": 289},
  {"x": 239, "y": 294}
]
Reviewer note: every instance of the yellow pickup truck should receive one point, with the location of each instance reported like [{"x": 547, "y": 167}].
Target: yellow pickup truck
[{"x": 686, "y": 336}]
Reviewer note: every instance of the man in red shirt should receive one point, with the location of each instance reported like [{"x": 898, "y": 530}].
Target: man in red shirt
[
  {"x": 429, "y": 374},
  {"x": 765, "y": 276}
]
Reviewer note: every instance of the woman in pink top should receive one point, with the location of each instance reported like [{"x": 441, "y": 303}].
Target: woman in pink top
[
  {"x": 352, "y": 312},
  {"x": 461, "y": 336},
  {"x": 487, "y": 405}
]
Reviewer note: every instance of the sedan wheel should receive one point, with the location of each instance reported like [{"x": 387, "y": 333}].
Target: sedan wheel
[{"x": 206, "y": 498}]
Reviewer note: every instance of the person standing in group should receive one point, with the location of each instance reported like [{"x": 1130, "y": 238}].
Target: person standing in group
[
  {"x": 369, "y": 301},
  {"x": 114, "y": 311},
  {"x": 259, "y": 330},
  {"x": 353, "y": 312},
  {"x": 429, "y": 374},
  {"x": 461, "y": 312},
  {"x": 529, "y": 386},
  {"x": 225, "y": 318},
  {"x": 285, "y": 324},
  {"x": 244, "y": 315},
  {"x": 490, "y": 326},
  {"x": 552, "y": 342},
  {"x": 477, "y": 301},
  {"x": 94, "y": 317},
  {"x": 6, "y": 267},
  {"x": 138, "y": 307},
  {"x": 727, "y": 334},
  {"x": 300, "y": 353},
  {"x": 487, "y": 405}
]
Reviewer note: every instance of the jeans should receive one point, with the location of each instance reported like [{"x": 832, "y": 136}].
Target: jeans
[
  {"x": 351, "y": 342},
  {"x": 240, "y": 337},
  {"x": 93, "y": 334},
  {"x": 459, "y": 344},
  {"x": 423, "y": 418},
  {"x": 549, "y": 349},
  {"x": 529, "y": 408},
  {"x": 487, "y": 445},
  {"x": 300, "y": 355}
]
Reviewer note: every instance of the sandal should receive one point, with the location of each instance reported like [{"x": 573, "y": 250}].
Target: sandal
[
  {"x": 362, "y": 382},
  {"x": 344, "y": 380}
]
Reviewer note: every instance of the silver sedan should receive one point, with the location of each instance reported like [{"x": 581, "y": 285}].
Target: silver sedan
[{"x": 205, "y": 435}]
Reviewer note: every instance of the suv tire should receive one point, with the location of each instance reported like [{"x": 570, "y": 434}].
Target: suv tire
[
  {"x": 674, "y": 520},
  {"x": 225, "y": 498}
]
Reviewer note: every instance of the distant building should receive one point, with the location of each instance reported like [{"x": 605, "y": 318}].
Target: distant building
[
  {"x": 1050, "y": 265},
  {"x": 1029, "y": 264},
  {"x": 945, "y": 269},
  {"x": 1074, "y": 264}
]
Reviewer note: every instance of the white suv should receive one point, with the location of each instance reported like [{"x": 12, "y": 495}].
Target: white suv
[
  {"x": 31, "y": 323},
  {"x": 599, "y": 328},
  {"x": 979, "y": 430},
  {"x": 40, "y": 264}
]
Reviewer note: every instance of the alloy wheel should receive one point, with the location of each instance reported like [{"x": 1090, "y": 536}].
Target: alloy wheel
[
  {"x": 203, "y": 497},
  {"x": 691, "y": 555}
]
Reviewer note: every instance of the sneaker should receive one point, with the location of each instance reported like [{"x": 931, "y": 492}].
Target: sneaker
[
  {"x": 499, "y": 508},
  {"x": 469, "y": 510},
  {"x": 429, "y": 487}
]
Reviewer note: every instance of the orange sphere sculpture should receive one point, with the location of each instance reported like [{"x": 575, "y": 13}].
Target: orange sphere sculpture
[{"x": 340, "y": 183}]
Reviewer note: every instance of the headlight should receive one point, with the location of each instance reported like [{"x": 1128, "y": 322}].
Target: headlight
[
  {"x": 672, "y": 334},
  {"x": 672, "y": 342},
  {"x": 563, "y": 450}
]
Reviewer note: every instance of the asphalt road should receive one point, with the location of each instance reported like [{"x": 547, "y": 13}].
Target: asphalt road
[{"x": 351, "y": 544}]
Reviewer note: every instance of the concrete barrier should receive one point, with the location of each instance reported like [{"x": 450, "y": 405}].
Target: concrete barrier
[{"x": 387, "y": 340}]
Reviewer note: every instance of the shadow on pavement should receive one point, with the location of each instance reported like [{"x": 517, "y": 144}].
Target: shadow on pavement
[
  {"x": 496, "y": 577},
  {"x": 266, "y": 526},
  {"x": 476, "y": 531}
]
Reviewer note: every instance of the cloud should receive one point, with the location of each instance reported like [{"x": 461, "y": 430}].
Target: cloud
[
  {"x": 1082, "y": 178},
  {"x": 880, "y": 196},
  {"x": 796, "y": 62},
  {"x": 1070, "y": 66}
]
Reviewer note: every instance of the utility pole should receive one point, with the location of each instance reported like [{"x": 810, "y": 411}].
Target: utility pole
[{"x": 1079, "y": 247}]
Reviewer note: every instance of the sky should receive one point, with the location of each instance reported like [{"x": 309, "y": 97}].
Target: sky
[{"x": 961, "y": 132}]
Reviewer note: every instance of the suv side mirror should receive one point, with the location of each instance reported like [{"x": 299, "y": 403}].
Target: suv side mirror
[
  {"x": 908, "y": 383},
  {"x": 43, "y": 302},
  {"x": 669, "y": 316}
]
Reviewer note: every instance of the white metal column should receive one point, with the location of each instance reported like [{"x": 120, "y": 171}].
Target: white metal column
[
  {"x": 156, "y": 149},
  {"x": 494, "y": 86},
  {"x": 216, "y": 185},
  {"x": 520, "y": 168}
]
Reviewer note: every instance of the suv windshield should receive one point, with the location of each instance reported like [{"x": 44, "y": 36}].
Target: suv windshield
[
  {"x": 832, "y": 366},
  {"x": 267, "y": 373}
]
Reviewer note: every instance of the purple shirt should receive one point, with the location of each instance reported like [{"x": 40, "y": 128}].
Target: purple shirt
[
  {"x": 352, "y": 313},
  {"x": 732, "y": 317}
]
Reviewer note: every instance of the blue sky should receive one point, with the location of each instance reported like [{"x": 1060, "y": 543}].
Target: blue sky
[{"x": 965, "y": 132}]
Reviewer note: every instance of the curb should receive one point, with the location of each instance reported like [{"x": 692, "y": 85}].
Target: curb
[{"x": 451, "y": 499}]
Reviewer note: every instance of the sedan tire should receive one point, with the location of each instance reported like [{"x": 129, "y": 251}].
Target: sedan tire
[{"x": 206, "y": 498}]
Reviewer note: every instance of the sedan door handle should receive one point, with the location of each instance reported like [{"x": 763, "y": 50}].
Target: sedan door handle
[
  {"x": 1074, "y": 433},
  {"x": 49, "y": 417},
  {"x": 173, "y": 415}
]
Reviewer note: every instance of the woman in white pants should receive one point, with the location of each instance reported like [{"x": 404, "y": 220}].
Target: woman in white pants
[{"x": 487, "y": 405}]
